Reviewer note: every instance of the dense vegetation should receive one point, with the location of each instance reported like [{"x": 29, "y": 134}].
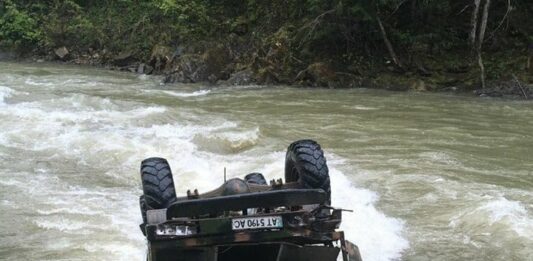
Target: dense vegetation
[{"x": 290, "y": 39}]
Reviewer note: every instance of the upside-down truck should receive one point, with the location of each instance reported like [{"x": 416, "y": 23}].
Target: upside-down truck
[{"x": 246, "y": 219}]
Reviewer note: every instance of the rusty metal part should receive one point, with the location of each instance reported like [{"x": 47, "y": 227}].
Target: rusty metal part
[
  {"x": 279, "y": 185},
  {"x": 234, "y": 187},
  {"x": 350, "y": 251},
  {"x": 268, "y": 199}
]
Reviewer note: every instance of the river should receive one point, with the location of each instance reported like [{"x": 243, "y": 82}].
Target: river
[{"x": 429, "y": 176}]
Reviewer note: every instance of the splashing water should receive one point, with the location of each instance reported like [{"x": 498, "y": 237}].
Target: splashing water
[{"x": 419, "y": 177}]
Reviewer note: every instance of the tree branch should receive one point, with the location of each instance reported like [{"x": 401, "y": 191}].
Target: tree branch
[
  {"x": 392, "y": 53},
  {"x": 312, "y": 25},
  {"x": 509, "y": 8},
  {"x": 520, "y": 86}
]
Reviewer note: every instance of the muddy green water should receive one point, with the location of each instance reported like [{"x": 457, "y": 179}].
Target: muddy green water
[{"x": 429, "y": 176}]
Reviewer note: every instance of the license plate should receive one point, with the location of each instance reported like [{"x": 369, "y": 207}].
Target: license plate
[{"x": 256, "y": 222}]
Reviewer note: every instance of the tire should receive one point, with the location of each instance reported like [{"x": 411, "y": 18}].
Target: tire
[
  {"x": 305, "y": 163},
  {"x": 157, "y": 183},
  {"x": 255, "y": 178}
]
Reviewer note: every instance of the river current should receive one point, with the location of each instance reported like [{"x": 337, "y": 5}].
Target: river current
[{"x": 428, "y": 176}]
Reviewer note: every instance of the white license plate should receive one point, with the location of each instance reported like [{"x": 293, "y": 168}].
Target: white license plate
[{"x": 256, "y": 222}]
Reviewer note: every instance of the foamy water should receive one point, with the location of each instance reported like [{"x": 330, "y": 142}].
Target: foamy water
[
  {"x": 185, "y": 94},
  {"x": 72, "y": 141}
]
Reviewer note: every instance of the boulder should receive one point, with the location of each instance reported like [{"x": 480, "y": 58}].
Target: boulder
[
  {"x": 160, "y": 57},
  {"x": 124, "y": 58},
  {"x": 141, "y": 68},
  {"x": 243, "y": 77},
  {"x": 190, "y": 68},
  {"x": 61, "y": 52},
  {"x": 211, "y": 66},
  {"x": 217, "y": 60}
]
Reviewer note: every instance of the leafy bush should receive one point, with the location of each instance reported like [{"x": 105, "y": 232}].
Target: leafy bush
[
  {"x": 66, "y": 25},
  {"x": 18, "y": 29}
]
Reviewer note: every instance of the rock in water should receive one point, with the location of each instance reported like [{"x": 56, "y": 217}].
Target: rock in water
[
  {"x": 140, "y": 69},
  {"x": 61, "y": 52}
]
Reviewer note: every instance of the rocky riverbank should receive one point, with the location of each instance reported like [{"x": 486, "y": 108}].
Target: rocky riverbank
[
  {"x": 407, "y": 46},
  {"x": 239, "y": 62}
]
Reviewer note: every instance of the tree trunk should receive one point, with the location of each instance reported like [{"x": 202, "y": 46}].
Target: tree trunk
[
  {"x": 474, "y": 22},
  {"x": 388, "y": 43},
  {"x": 483, "y": 26},
  {"x": 481, "y": 68},
  {"x": 480, "y": 38},
  {"x": 529, "y": 55}
]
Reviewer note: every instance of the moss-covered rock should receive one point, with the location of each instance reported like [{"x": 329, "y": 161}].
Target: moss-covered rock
[{"x": 160, "y": 58}]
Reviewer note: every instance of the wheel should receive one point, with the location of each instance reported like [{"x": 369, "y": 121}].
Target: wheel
[
  {"x": 305, "y": 163},
  {"x": 157, "y": 183},
  {"x": 255, "y": 178}
]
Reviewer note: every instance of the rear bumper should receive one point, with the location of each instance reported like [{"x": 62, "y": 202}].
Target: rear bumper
[
  {"x": 302, "y": 237},
  {"x": 307, "y": 227},
  {"x": 214, "y": 239}
]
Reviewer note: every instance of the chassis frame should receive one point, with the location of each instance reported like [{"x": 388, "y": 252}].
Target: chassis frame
[{"x": 199, "y": 226}]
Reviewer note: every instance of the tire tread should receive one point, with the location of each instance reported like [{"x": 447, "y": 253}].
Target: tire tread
[
  {"x": 158, "y": 185},
  {"x": 307, "y": 157}
]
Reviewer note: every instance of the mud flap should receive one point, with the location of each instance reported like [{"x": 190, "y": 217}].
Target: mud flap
[
  {"x": 351, "y": 251},
  {"x": 292, "y": 253},
  {"x": 166, "y": 251}
]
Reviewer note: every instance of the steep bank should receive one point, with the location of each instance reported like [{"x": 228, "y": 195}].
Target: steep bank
[
  {"x": 400, "y": 46},
  {"x": 220, "y": 64}
]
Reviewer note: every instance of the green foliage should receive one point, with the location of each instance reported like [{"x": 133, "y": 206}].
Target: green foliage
[
  {"x": 17, "y": 28},
  {"x": 345, "y": 30},
  {"x": 66, "y": 25},
  {"x": 187, "y": 17}
]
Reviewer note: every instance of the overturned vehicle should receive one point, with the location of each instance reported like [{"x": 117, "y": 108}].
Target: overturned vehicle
[{"x": 246, "y": 219}]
